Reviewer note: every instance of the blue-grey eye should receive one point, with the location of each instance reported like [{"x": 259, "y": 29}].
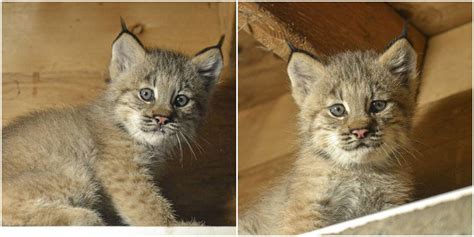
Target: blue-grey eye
[
  {"x": 147, "y": 94},
  {"x": 377, "y": 106},
  {"x": 181, "y": 100},
  {"x": 337, "y": 110}
]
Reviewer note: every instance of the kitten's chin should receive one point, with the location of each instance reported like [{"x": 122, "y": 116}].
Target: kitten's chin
[
  {"x": 153, "y": 138},
  {"x": 361, "y": 155},
  {"x": 149, "y": 137}
]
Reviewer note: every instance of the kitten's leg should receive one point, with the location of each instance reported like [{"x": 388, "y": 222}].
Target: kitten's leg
[
  {"x": 133, "y": 193},
  {"x": 45, "y": 214}
]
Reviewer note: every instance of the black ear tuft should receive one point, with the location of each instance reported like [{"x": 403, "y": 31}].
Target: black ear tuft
[
  {"x": 221, "y": 42},
  {"x": 122, "y": 23},
  {"x": 293, "y": 49},
  {"x": 304, "y": 70},
  {"x": 400, "y": 58},
  {"x": 297, "y": 50},
  {"x": 404, "y": 33},
  {"x": 217, "y": 46},
  {"x": 209, "y": 62},
  {"x": 126, "y": 31},
  {"x": 291, "y": 46},
  {"x": 127, "y": 52}
]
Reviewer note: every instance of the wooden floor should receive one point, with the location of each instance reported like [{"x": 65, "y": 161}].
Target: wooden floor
[{"x": 57, "y": 54}]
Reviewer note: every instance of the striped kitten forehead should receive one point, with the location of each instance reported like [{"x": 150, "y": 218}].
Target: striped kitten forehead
[
  {"x": 170, "y": 69},
  {"x": 360, "y": 72}
]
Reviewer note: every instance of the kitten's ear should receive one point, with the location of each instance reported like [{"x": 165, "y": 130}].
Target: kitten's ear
[
  {"x": 209, "y": 62},
  {"x": 127, "y": 51},
  {"x": 303, "y": 70},
  {"x": 400, "y": 58}
]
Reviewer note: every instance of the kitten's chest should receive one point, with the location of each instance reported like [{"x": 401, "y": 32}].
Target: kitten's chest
[{"x": 350, "y": 196}]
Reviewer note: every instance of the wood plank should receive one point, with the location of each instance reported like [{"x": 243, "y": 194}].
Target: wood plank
[
  {"x": 325, "y": 28},
  {"x": 262, "y": 74},
  {"x": 432, "y": 18},
  {"x": 449, "y": 64},
  {"x": 83, "y": 32},
  {"x": 26, "y": 92},
  {"x": 267, "y": 131},
  {"x": 56, "y": 55}
]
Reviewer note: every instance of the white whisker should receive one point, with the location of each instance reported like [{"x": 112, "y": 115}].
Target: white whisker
[
  {"x": 189, "y": 145},
  {"x": 180, "y": 148}
]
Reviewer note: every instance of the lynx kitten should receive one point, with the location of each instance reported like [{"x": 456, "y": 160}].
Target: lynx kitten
[
  {"x": 354, "y": 121},
  {"x": 58, "y": 164}
]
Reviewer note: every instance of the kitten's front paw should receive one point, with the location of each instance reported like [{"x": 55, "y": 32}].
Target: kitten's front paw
[
  {"x": 84, "y": 217},
  {"x": 189, "y": 223}
]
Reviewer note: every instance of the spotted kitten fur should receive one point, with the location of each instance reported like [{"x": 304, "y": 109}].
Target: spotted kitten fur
[
  {"x": 60, "y": 165},
  {"x": 354, "y": 123}
]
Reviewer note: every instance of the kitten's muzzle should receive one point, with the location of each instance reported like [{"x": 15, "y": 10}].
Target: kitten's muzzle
[
  {"x": 360, "y": 133},
  {"x": 162, "y": 120}
]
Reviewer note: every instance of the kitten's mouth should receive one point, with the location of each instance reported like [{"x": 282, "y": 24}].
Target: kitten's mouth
[
  {"x": 362, "y": 145},
  {"x": 158, "y": 130}
]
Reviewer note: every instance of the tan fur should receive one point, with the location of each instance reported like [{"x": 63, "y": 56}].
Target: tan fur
[
  {"x": 62, "y": 167},
  {"x": 332, "y": 180}
]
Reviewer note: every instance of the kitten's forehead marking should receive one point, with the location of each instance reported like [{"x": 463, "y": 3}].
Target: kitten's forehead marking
[{"x": 339, "y": 94}]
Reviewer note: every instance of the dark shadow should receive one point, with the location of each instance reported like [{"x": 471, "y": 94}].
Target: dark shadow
[
  {"x": 443, "y": 140},
  {"x": 204, "y": 188}
]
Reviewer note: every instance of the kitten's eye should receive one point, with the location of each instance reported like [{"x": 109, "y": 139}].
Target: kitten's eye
[
  {"x": 181, "y": 100},
  {"x": 337, "y": 110},
  {"x": 377, "y": 106},
  {"x": 147, "y": 94}
]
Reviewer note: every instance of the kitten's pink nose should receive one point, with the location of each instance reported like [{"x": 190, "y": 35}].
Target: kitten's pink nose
[
  {"x": 162, "y": 120},
  {"x": 360, "y": 133}
]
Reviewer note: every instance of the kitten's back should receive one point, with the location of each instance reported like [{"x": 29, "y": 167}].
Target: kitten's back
[{"x": 43, "y": 140}]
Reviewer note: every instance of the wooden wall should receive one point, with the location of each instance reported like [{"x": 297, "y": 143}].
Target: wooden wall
[
  {"x": 435, "y": 17},
  {"x": 443, "y": 123},
  {"x": 267, "y": 136},
  {"x": 57, "y": 54}
]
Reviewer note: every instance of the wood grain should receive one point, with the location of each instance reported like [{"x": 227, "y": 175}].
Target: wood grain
[
  {"x": 26, "y": 92},
  {"x": 56, "y": 55},
  {"x": 262, "y": 74},
  {"x": 266, "y": 119},
  {"x": 432, "y": 18},
  {"x": 325, "y": 28},
  {"x": 267, "y": 131},
  {"x": 78, "y": 36}
]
